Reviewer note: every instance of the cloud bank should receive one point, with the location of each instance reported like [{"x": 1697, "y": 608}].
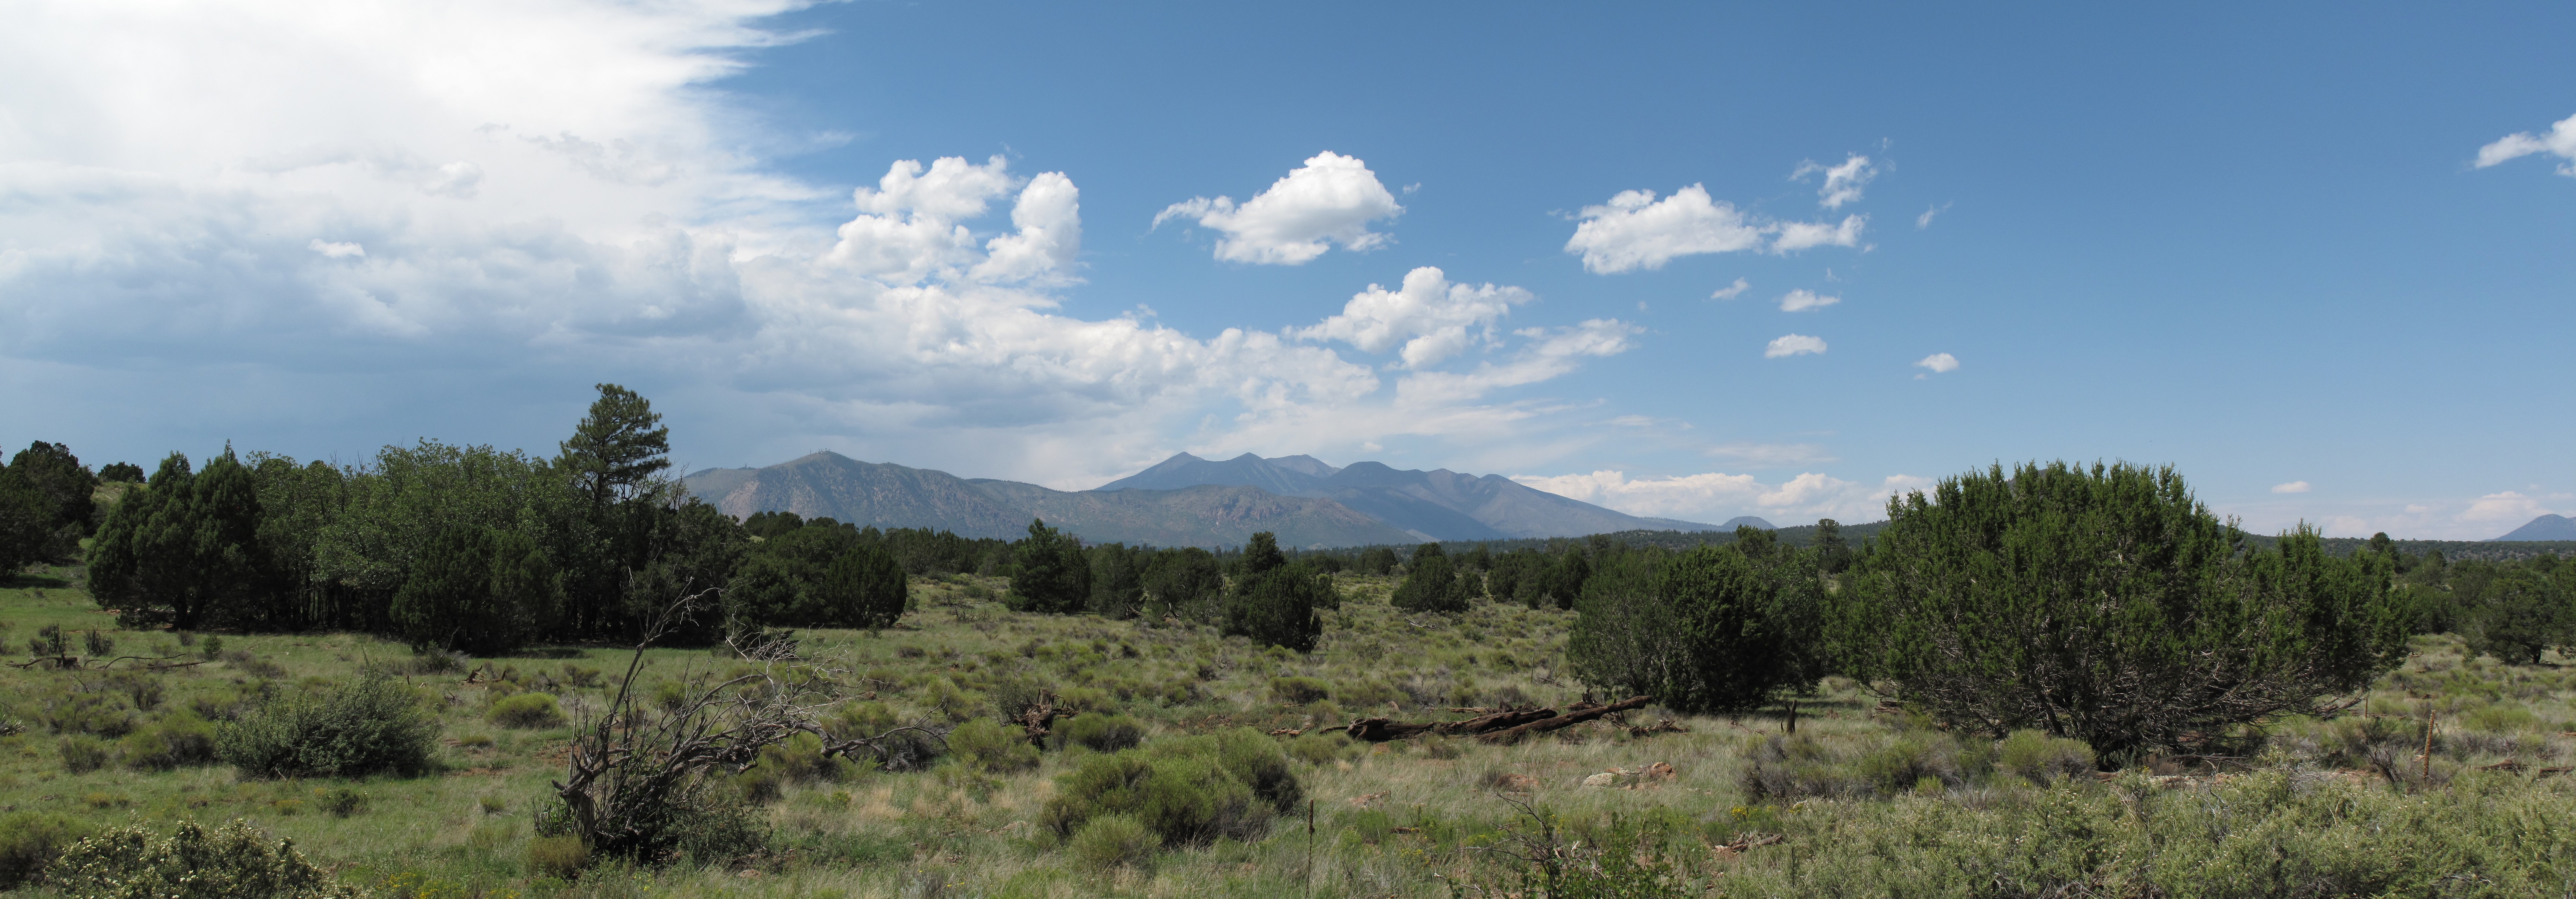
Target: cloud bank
[
  {"x": 490, "y": 205},
  {"x": 1717, "y": 496}
]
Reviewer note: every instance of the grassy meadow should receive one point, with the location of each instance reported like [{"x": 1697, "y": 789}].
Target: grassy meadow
[{"x": 1860, "y": 800}]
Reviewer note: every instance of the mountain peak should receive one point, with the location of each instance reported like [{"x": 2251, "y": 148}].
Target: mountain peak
[{"x": 2546, "y": 527}]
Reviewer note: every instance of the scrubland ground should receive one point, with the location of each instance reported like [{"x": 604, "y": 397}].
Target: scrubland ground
[{"x": 1860, "y": 800}]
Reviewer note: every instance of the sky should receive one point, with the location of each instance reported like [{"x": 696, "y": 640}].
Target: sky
[{"x": 1676, "y": 259}]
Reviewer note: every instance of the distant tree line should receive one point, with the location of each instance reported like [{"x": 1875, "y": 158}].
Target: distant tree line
[{"x": 455, "y": 547}]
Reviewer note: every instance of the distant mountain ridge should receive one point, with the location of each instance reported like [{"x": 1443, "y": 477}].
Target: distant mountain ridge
[
  {"x": 2546, "y": 527},
  {"x": 830, "y": 485},
  {"x": 1431, "y": 505}
]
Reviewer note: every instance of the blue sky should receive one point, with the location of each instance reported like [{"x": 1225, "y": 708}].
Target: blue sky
[{"x": 2318, "y": 257}]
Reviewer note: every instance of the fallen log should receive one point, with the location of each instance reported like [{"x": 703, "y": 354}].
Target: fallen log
[
  {"x": 1512, "y": 735},
  {"x": 1380, "y": 730}
]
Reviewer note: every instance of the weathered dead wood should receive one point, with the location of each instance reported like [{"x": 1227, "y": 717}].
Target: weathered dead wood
[
  {"x": 1572, "y": 717},
  {"x": 1380, "y": 730}
]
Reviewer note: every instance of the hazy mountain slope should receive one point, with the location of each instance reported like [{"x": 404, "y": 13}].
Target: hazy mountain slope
[
  {"x": 1499, "y": 506},
  {"x": 863, "y": 493},
  {"x": 887, "y": 496},
  {"x": 1741, "y": 520},
  {"x": 2546, "y": 527},
  {"x": 1288, "y": 476},
  {"x": 1204, "y": 515},
  {"x": 1431, "y": 505}
]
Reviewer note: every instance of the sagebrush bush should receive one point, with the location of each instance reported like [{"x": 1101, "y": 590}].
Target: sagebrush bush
[
  {"x": 1101, "y": 732},
  {"x": 83, "y": 754},
  {"x": 371, "y": 725},
  {"x": 235, "y": 861},
  {"x": 526, "y": 711},
  {"x": 178, "y": 740},
  {"x": 1111, "y": 841},
  {"x": 992, "y": 747},
  {"x": 31, "y": 840},
  {"x": 559, "y": 857},
  {"x": 1187, "y": 791},
  {"x": 2043, "y": 758},
  {"x": 1299, "y": 690}
]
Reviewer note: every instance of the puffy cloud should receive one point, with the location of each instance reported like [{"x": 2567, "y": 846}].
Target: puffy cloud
[
  {"x": 1939, "y": 363},
  {"x": 2291, "y": 487},
  {"x": 1802, "y": 300},
  {"x": 1925, "y": 220},
  {"x": 1843, "y": 182},
  {"x": 1792, "y": 345},
  {"x": 1732, "y": 291},
  {"x": 1431, "y": 316},
  {"x": 1331, "y": 199},
  {"x": 337, "y": 250},
  {"x": 2509, "y": 508},
  {"x": 2560, "y": 141},
  {"x": 1634, "y": 230},
  {"x": 1796, "y": 236},
  {"x": 1717, "y": 496},
  {"x": 1049, "y": 218}
]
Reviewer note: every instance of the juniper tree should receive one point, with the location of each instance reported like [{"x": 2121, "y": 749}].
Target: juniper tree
[
  {"x": 2107, "y": 605},
  {"x": 1274, "y": 602}
]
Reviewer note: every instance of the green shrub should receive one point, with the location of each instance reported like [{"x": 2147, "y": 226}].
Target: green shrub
[
  {"x": 83, "y": 754},
  {"x": 1299, "y": 690},
  {"x": 801, "y": 760},
  {"x": 2108, "y": 604},
  {"x": 234, "y": 862},
  {"x": 560, "y": 857},
  {"x": 370, "y": 725},
  {"x": 1100, "y": 732},
  {"x": 1187, "y": 791},
  {"x": 2042, "y": 758},
  {"x": 526, "y": 711},
  {"x": 1320, "y": 748},
  {"x": 1908, "y": 761},
  {"x": 31, "y": 840},
  {"x": 178, "y": 740},
  {"x": 342, "y": 802},
  {"x": 991, "y": 747},
  {"x": 1111, "y": 841}
]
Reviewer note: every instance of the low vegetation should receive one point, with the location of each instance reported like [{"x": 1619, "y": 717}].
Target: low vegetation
[{"x": 455, "y": 672}]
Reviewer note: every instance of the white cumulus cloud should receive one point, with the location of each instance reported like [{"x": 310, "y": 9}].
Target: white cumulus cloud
[
  {"x": 1792, "y": 345},
  {"x": 1843, "y": 183},
  {"x": 1795, "y": 236},
  {"x": 2291, "y": 487},
  {"x": 1429, "y": 315},
  {"x": 2559, "y": 141},
  {"x": 1938, "y": 363},
  {"x": 1802, "y": 300},
  {"x": 1925, "y": 220},
  {"x": 1732, "y": 291},
  {"x": 1717, "y": 496},
  {"x": 1634, "y": 230},
  {"x": 337, "y": 250},
  {"x": 1329, "y": 200}
]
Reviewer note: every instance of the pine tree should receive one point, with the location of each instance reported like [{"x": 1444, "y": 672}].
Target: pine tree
[{"x": 1054, "y": 575}]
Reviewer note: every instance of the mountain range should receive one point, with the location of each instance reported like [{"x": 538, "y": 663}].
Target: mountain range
[
  {"x": 2546, "y": 527},
  {"x": 1183, "y": 501}
]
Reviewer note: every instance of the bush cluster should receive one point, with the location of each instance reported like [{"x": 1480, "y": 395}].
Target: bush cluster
[
  {"x": 1185, "y": 791},
  {"x": 371, "y": 725},
  {"x": 232, "y": 862}
]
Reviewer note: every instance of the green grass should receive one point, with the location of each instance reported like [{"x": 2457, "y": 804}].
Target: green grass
[{"x": 1888, "y": 802}]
